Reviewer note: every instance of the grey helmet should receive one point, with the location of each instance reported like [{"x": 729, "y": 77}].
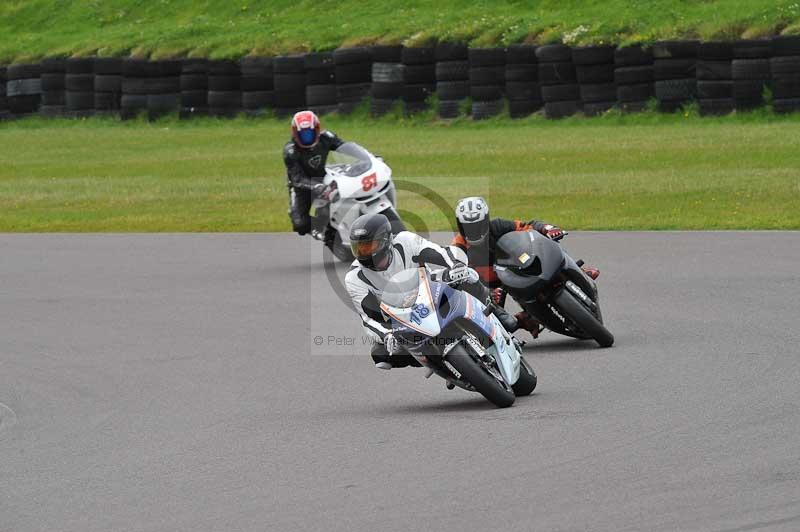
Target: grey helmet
[{"x": 472, "y": 216}]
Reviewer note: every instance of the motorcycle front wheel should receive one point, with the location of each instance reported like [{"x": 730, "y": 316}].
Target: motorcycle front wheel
[
  {"x": 527, "y": 379},
  {"x": 339, "y": 250},
  {"x": 479, "y": 377},
  {"x": 574, "y": 310}
]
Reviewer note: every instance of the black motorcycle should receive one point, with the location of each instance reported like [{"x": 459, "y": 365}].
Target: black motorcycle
[{"x": 550, "y": 286}]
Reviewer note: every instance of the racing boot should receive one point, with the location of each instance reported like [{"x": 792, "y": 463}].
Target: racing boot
[
  {"x": 508, "y": 321},
  {"x": 594, "y": 273},
  {"x": 381, "y": 357},
  {"x": 383, "y": 360},
  {"x": 481, "y": 292},
  {"x": 529, "y": 323}
]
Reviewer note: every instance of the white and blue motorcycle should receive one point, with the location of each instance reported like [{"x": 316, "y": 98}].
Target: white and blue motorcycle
[{"x": 456, "y": 337}]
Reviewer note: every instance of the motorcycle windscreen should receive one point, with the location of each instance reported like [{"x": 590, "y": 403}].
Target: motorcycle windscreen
[
  {"x": 525, "y": 257},
  {"x": 349, "y": 159},
  {"x": 408, "y": 301}
]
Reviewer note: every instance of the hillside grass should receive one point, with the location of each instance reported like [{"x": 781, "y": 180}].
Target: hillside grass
[
  {"x": 645, "y": 171},
  {"x": 30, "y": 29}
]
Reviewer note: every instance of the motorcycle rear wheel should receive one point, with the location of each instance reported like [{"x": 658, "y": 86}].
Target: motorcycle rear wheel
[
  {"x": 479, "y": 377},
  {"x": 580, "y": 315}
]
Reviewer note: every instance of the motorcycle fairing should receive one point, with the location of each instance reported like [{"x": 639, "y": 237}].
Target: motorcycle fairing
[
  {"x": 364, "y": 184},
  {"x": 428, "y": 315}
]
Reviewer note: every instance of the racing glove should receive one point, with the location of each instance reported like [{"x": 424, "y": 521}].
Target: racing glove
[
  {"x": 457, "y": 274},
  {"x": 497, "y": 295},
  {"x": 553, "y": 232},
  {"x": 325, "y": 192}
]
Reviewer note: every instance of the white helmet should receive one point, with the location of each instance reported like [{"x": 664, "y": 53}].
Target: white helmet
[{"x": 472, "y": 216}]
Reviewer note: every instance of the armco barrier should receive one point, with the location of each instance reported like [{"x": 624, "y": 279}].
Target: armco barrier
[{"x": 720, "y": 76}]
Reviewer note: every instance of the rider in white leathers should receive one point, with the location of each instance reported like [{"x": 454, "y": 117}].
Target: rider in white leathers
[{"x": 380, "y": 255}]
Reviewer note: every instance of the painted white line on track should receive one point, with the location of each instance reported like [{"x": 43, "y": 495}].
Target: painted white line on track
[{"x": 7, "y": 417}]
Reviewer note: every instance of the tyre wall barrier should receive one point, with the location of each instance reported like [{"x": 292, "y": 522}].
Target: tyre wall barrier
[
  {"x": 387, "y": 80},
  {"x": 79, "y": 87},
  {"x": 23, "y": 89},
  {"x": 54, "y": 99},
  {"x": 321, "y": 92},
  {"x": 4, "y": 112},
  {"x": 561, "y": 80},
  {"x": 487, "y": 81},
  {"x": 224, "y": 88},
  {"x": 107, "y": 85},
  {"x": 594, "y": 71},
  {"x": 290, "y": 84},
  {"x": 419, "y": 76},
  {"x": 633, "y": 77},
  {"x": 558, "y": 80},
  {"x": 194, "y": 88},
  {"x": 523, "y": 90},
  {"x": 353, "y": 72},
  {"x": 452, "y": 78}
]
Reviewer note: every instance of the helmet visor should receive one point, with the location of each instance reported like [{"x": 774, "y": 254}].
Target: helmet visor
[
  {"x": 365, "y": 248},
  {"x": 475, "y": 231},
  {"x": 307, "y": 136}
]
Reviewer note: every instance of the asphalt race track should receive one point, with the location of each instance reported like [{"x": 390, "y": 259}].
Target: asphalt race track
[{"x": 173, "y": 383}]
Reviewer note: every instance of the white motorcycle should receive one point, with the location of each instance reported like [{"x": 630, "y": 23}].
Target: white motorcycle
[
  {"x": 456, "y": 337},
  {"x": 359, "y": 183}
]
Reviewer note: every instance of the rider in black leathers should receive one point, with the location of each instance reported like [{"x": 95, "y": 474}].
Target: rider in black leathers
[{"x": 304, "y": 157}]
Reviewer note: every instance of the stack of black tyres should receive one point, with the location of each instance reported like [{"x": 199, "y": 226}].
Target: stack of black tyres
[
  {"x": 387, "y": 78},
  {"x": 452, "y": 78},
  {"x": 558, "y": 79},
  {"x": 321, "y": 95},
  {"x": 290, "y": 84},
  {"x": 257, "y": 84},
  {"x": 594, "y": 70},
  {"x": 4, "y": 113},
  {"x": 353, "y": 70},
  {"x": 152, "y": 86},
  {"x": 714, "y": 78},
  {"x": 633, "y": 76},
  {"x": 674, "y": 69},
  {"x": 224, "y": 88},
  {"x": 54, "y": 99},
  {"x": 522, "y": 81},
  {"x": 107, "y": 85},
  {"x": 194, "y": 88},
  {"x": 750, "y": 72},
  {"x": 164, "y": 96},
  {"x": 134, "y": 94},
  {"x": 23, "y": 89},
  {"x": 487, "y": 80},
  {"x": 79, "y": 83},
  {"x": 785, "y": 68},
  {"x": 419, "y": 71}
]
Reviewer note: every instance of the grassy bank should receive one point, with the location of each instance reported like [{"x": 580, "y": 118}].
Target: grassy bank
[
  {"x": 220, "y": 28},
  {"x": 657, "y": 172}
]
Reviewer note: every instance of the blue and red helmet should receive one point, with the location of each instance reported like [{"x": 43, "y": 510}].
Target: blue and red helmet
[{"x": 305, "y": 129}]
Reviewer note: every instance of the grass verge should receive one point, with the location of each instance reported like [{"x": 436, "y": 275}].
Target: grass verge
[
  {"x": 221, "y": 28},
  {"x": 644, "y": 171}
]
